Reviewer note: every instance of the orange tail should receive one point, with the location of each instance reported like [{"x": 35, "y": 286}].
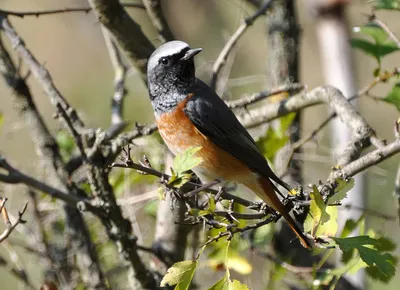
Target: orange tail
[{"x": 269, "y": 196}]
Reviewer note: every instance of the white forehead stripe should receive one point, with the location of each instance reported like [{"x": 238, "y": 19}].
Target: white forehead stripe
[{"x": 169, "y": 48}]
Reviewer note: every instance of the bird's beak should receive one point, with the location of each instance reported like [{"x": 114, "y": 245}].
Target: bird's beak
[{"x": 191, "y": 53}]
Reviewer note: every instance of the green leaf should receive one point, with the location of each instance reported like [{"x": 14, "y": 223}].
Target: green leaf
[
  {"x": 394, "y": 96},
  {"x": 186, "y": 160},
  {"x": 341, "y": 190},
  {"x": 317, "y": 214},
  {"x": 330, "y": 227},
  {"x": 387, "y": 4},
  {"x": 180, "y": 274},
  {"x": 381, "y": 44},
  {"x": 275, "y": 139},
  {"x": 380, "y": 264},
  {"x": 225, "y": 283}
]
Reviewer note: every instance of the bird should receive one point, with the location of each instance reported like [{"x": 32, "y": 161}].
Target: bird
[{"x": 190, "y": 114}]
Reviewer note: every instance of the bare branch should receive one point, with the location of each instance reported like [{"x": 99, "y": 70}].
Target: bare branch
[
  {"x": 125, "y": 31},
  {"x": 15, "y": 176},
  {"x": 9, "y": 226},
  {"x": 257, "y": 97},
  {"x": 117, "y": 102},
  {"x": 366, "y": 161},
  {"x": 39, "y": 71},
  {"x": 58, "y": 11},
  {"x": 157, "y": 18},
  {"x": 49, "y": 153},
  {"x": 232, "y": 41}
]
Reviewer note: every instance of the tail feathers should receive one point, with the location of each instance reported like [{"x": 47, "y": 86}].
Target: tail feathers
[{"x": 269, "y": 196}]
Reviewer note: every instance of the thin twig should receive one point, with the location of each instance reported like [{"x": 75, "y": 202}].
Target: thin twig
[
  {"x": 38, "y": 13},
  {"x": 40, "y": 72},
  {"x": 232, "y": 41},
  {"x": 10, "y": 226},
  {"x": 120, "y": 91},
  {"x": 15, "y": 176},
  {"x": 386, "y": 28},
  {"x": 246, "y": 101},
  {"x": 157, "y": 18}
]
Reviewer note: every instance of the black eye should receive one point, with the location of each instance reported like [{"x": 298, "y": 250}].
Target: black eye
[{"x": 164, "y": 61}]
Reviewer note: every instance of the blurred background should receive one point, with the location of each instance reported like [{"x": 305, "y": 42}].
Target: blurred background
[{"x": 72, "y": 48}]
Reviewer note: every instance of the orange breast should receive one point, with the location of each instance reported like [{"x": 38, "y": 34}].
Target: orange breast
[{"x": 179, "y": 134}]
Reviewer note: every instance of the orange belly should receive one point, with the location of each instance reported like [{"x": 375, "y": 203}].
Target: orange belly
[{"x": 180, "y": 134}]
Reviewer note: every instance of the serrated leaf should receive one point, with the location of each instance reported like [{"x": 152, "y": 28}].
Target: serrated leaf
[
  {"x": 387, "y": 4},
  {"x": 187, "y": 160},
  {"x": 381, "y": 264},
  {"x": 341, "y": 190},
  {"x": 394, "y": 96},
  {"x": 180, "y": 274}
]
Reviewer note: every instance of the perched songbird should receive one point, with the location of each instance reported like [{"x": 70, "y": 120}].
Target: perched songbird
[{"x": 190, "y": 114}]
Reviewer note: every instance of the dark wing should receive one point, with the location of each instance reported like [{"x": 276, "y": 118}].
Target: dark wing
[{"x": 213, "y": 118}]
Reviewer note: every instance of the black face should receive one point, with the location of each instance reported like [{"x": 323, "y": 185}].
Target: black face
[{"x": 172, "y": 70}]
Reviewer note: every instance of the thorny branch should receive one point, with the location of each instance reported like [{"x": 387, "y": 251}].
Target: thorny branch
[{"x": 247, "y": 22}]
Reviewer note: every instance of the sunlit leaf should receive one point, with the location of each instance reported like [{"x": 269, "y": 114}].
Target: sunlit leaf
[
  {"x": 342, "y": 187},
  {"x": 186, "y": 160},
  {"x": 394, "y": 96},
  {"x": 275, "y": 139},
  {"x": 180, "y": 274},
  {"x": 317, "y": 214},
  {"x": 330, "y": 227}
]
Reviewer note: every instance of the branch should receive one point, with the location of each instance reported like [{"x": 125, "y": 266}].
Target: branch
[
  {"x": 39, "y": 71},
  {"x": 49, "y": 154},
  {"x": 187, "y": 187},
  {"x": 125, "y": 31},
  {"x": 9, "y": 226},
  {"x": 117, "y": 102},
  {"x": 257, "y": 97},
  {"x": 232, "y": 41},
  {"x": 366, "y": 161},
  {"x": 64, "y": 10},
  {"x": 14, "y": 176},
  {"x": 157, "y": 18}
]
